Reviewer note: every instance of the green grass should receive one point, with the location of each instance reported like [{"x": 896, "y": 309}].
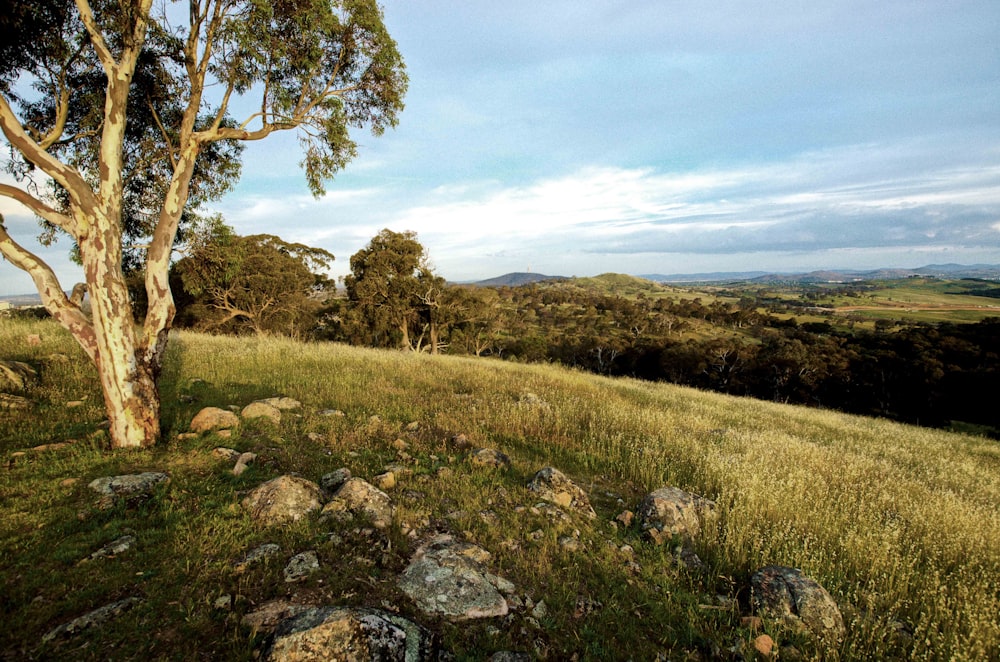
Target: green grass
[{"x": 899, "y": 523}]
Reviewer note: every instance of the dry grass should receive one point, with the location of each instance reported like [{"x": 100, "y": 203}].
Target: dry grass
[{"x": 899, "y": 523}]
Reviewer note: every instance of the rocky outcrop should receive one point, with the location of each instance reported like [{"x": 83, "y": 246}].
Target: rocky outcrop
[
  {"x": 359, "y": 497},
  {"x": 448, "y": 578},
  {"x": 130, "y": 487},
  {"x": 212, "y": 418},
  {"x": 14, "y": 375},
  {"x": 552, "y": 485},
  {"x": 488, "y": 457},
  {"x": 670, "y": 511},
  {"x": 349, "y": 635},
  {"x": 282, "y": 500},
  {"x": 786, "y": 594},
  {"x": 91, "y": 619},
  {"x": 261, "y": 409}
]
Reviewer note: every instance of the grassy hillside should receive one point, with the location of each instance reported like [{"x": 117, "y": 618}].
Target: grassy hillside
[{"x": 899, "y": 523}]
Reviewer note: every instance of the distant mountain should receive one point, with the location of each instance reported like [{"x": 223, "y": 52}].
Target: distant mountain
[
  {"x": 983, "y": 271},
  {"x": 18, "y": 300},
  {"x": 515, "y": 279}
]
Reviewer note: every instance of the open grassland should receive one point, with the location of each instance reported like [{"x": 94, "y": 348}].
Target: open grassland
[{"x": 899, "y": 523}]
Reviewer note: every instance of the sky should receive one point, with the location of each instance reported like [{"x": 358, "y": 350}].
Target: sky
[{"x": 577, "y": 138}]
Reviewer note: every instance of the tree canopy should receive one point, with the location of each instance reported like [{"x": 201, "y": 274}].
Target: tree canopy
[{"x": 119, "y": 118}]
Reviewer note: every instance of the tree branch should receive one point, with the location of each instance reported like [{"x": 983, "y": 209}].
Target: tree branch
[
  {"x": 53, "y": 297},
  {"x": 100, "y": 45},
  {"x": 37, "y": 206}
]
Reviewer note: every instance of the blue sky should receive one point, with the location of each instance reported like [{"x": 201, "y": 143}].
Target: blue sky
[{"x": 575, "y": 138}]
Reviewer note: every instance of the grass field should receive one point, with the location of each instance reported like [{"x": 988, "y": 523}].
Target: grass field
[{"x": 899, "y": 523}]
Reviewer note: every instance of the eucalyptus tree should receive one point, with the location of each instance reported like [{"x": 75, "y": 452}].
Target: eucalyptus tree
[{"x": 120, "y": 116}]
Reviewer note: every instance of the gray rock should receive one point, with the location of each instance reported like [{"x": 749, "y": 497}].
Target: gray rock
[
  {"x": 787, "y": 594},
  {"x": 359, "y": 497},
  {"x": 224, "y": 453},
  {"x": 349, "y": 635},
  {"x": 301, "y": 566},
  {"x": 213, "y": 418},
  {"x": 262, "y": 410},
  {"x": 552, "y": 485},
  {"x": 282, "y": 500},
  {"x": 282, "y": 403},
  {"x": 257, "y": 554},
  {"x": 448, "y": 578},
  {"x": 14, "y": 375},
  {"x": 488, "y": 457},
  {"x": 242, "y": 462},
  {"x": 91, "y": 619},
  {"x": 119, "y": 546},
  {"x": 670, "y": 511},
  {"x": 128, "y": 486},
  {"x": 332, "y": 481}
]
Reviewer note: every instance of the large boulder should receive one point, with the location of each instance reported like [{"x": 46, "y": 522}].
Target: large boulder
[
  {"x": 348, "y": 635},
  {"x": 14, "y": 375},
  {"x": 670, "y": 511},
  {"x": 283, "y": 499},
  {"x": 262, "y": 409},
  {"x": 359, "y": 497},
  {"x": 448, "y": 578},
  {"x": 213, "y": 418},
  {"x": 786, "y": 594},
  {"x": 552, "y": 485}
]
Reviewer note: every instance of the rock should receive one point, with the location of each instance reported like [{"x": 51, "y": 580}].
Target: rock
[
  {"x": 552, "y": 485},
  {"x": 257, "y": 554},
  {"x": 14, "y": 375},
  {"x": 447, "y": 578},
  {"x": 301, "y": 566},
  {"x": 385, "y": 481},
  {"x": 350, "y": 635},
  {"x": 91, "y": 619},
  {"x": 510, "y": 656},
  {"x": 73, "y": 404},
  {"x": 129, "y": 487},
  {"x": 460, "y": 442},
  {"x": 282, "y": 403},
  {"x": 413, "y": 426},
  {"x": 785, "y": 593},
  {"x": 625, "y": 518},
  {"x": 269, "y": 614},
  {"x": 119, "y": 546},
  {"x": 262, "y": 410},
  {"x": 223, "y": 602},
  {"x": 213, "y": 418},
  {"x": 488, "y": 457},
  {"x": 33, "y": 339},
  {"x": 244, "y": 460},
  {"x": 332, "y": 412},
  {"x": 764, "y": 645},
  {"x": 228, "y": 454},
  {"x": 358, "y": 497},
  {"x": 332, "y": 481},
  {"x": 10, "y": 401},
  {"x": 282, "y": 500},
  {"x": 400, "y": 445},
  {"x": 670, "y": 511}
]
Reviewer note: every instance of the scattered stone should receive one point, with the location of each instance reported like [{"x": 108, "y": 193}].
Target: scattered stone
[
  {"x": 460, "y": 442},
  {"x": 488, "y": 457},
  {"x": 764, "y": 645},
  {"x": 223, "y": 603},
  {"x": 358, "y": 497},
  {"x": 224, "y": 434},
  {"x": 625, "y": 518},
  {"x": 552, "y": 485},
  {"x": 316, "y": 438},
  {"x": 348, "y": 634},
  {"x": 262, "y": 409},
  {"x": 670, "y": 511},
  {"x": 332, "y": 481},
  {"x": 510, "y": 656},
  {"x": 14, "y": 375},
  {"x": 213, "y": 418},
  {"x": 585, "y": 606},
  {"x": 752, "y": 622},
  {"x": 91, "y": 619},
  {"x": 282, "y": 403},
  {"x": 257, "y": 554},
  {"x": 785, "y": 593},
  {"x": 540, "y": 610},
  {"x": 228, "y": 454},
  {"x": 73, "y": 404},
  {"x": 10, "y": 401},
  {"x": 33, "y": 339},
  {"x": 385, "y": 481},
  {"x": 68, "y": 482},
  {"x": 269, "y": 614},
  {"x": 283, "y": 499},
  {"x": 448, "y": 578},
  {"x": 114, "y": 548},
  {"x": 413, "y": 426},
  {"x": 570, "y": 544},
  {"x": 400, "y": 445},
  {"x": 130, "y": 486},
  {"x": 332, "y": 412},
  {"x": 185, "y": 436},
  {"x": 301, "y": 566},
  {"x": 244, "y": 460}
]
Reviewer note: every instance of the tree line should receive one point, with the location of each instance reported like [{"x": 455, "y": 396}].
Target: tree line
[{"x": 918, "y": 373}]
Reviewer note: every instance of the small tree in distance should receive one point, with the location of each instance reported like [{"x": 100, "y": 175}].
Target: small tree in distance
[{"x": 118, "y": 116}]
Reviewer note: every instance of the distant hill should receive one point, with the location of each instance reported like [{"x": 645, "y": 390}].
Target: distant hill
[
  {"x": 983, "y": 271},
  {"x": 515, "y": 279}
]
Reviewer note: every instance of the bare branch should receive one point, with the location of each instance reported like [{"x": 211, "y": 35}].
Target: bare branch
[
  {"x": 37, "y": 206},
  {"x": 100, "y": 45}
]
